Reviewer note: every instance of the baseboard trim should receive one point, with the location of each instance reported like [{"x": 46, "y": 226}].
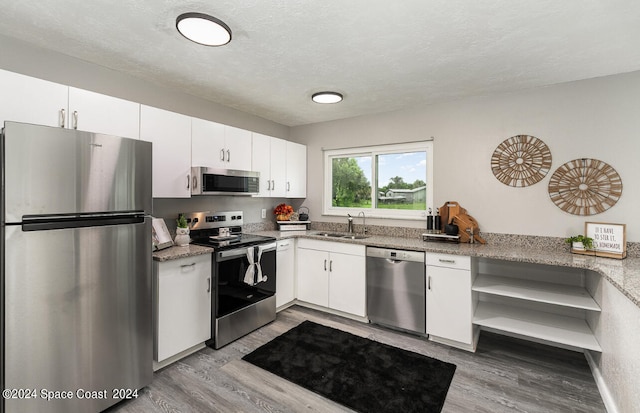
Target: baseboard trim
[
  {"x": 607, "y": 399},
  {"x": 331, "y": 311}
]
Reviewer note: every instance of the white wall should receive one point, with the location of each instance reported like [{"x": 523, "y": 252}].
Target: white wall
[{"x": 597, "y": 118}]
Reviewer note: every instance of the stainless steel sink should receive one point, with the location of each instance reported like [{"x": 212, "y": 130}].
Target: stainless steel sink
[
  {"x": 340, "y": 235},
  {"x": 355, "y": 236},
  {"x": 329, "y": 234}
]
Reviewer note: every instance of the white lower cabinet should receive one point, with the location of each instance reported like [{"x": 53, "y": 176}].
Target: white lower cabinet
[
  {"x": 450, "y": 302},
  {"x": 332, "y": 275},
  {"x": 182, "y": 305},
  {"x": 285, "y": 272},
  {"x": 313, "y": 276}
]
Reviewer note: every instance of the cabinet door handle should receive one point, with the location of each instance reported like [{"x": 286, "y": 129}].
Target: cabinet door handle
[
  {"x": 330, "y": 265},
  {"x": 268, "y": 185},
  {"x": 228, "y": 155},
  {"x": 75, "y": 119},
  {"x": 447, "y": 261},
  {"x": 325, "y": 265},
  {"x": 429, "y": 283},
  {"x": 273, "y": 184},
  {"x": 62, "y": 116},
  {"x": 208, "y": 284},
  {"x": 188, "y": 180},
  {"x": 222, "y": 155},
  {"x": 193, "y": 264},
  {"x": 288, "y": 186}
]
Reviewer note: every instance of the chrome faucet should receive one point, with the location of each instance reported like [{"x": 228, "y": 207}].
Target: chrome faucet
[
  {"x": 349, "y": 224},
  {"x": 364, "y": 227}
]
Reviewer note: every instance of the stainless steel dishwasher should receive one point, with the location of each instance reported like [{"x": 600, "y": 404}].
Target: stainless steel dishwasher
[{"x": 396, "y": 293}]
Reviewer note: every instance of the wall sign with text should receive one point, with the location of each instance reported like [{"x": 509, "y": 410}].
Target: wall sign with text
[{"x": 609, "y": 240}]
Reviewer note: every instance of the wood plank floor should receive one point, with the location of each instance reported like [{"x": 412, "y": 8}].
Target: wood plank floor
[{"x": 504, "y": 375}]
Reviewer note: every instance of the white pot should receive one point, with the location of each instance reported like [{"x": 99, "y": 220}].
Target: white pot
[
  {"x": 182, "y": 237},
  {"x": 577, "y": 245}
]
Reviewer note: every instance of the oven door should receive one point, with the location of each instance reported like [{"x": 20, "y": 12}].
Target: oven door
[{"x": 244, "y": 276}]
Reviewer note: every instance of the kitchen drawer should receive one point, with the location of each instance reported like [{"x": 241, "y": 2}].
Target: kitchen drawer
[{"x": 460, "y": 262}]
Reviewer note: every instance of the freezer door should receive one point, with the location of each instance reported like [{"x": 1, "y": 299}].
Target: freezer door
[
  {"x": 77, "y": 314},
  {"x": 60, "y": 171}
]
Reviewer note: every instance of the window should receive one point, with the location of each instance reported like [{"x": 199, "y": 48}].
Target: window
[{"x": 390, "y": 181}]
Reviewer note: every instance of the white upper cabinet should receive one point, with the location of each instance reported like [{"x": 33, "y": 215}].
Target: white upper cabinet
[
  {"x": 30, "y": 100},
  {"x": 269, "y": 158},
  {"x": 207, "y": 143},
  {"x": 220, "y": 146},
  {"x": 296, "y": 170},
  {"x": 238, "y": 148},
  {"x": 282, "y": 166},
  {"x": 170, "y": 134},
  {"x": 261, "y": 162},
  {"x": 278, "y": 168},
  {"x": 99, "y": 113}
]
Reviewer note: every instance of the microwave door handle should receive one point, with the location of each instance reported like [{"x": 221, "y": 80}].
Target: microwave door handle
[{"x": 194, "y": 184}]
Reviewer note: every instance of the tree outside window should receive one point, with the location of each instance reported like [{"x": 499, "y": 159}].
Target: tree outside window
[{"x": 393, "y": 180}]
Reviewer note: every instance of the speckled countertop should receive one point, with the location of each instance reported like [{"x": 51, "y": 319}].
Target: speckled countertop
[
  {"x": 174, "y": 253},
  {"x": 623, "y": 274}
]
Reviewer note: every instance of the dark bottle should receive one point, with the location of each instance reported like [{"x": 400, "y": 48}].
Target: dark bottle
[
  {"x": 430, "y": 221},
  {"x": 437, "y": 224}
]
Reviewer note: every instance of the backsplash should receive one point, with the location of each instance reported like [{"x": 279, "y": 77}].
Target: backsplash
[{"x": 525, "y": 241}]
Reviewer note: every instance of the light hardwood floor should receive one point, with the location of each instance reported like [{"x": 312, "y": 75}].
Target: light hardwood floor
[{"x": 503, "y": 375}]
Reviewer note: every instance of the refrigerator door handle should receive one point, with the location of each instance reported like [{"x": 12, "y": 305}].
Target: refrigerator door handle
[{"x": 47, "y": 222}]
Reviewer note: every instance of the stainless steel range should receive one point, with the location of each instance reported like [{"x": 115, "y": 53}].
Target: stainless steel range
[{"x": 244, "y": 274}]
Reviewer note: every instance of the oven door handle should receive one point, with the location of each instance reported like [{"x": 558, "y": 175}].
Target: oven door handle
[{"x": 242, "y": 252}]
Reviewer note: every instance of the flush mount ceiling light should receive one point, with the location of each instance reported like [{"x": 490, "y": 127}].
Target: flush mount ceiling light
[
  {"x": 326, "y": 97},
  {"x": 203, "y": 29}
]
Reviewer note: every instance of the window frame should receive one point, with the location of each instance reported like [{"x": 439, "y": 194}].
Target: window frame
[{"x": 373, "y": 151}]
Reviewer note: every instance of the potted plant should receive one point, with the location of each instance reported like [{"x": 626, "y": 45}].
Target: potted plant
[
  {"x": 580, "y": 242},
  {"x": 182, "y": 231}
]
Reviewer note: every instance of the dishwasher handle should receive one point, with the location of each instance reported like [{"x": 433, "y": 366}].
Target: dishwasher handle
[{"x": 393, "y": 256}]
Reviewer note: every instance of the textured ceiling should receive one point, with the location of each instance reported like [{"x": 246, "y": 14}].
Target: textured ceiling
[{"x": 382, "y": 55}]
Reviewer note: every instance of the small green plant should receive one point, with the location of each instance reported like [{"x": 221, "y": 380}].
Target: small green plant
[
  {"x": 586, "y": 241},
  {"x": 182, "y": 222}
]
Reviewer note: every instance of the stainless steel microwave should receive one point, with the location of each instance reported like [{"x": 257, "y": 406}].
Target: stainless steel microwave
[{"x": 214, "y": 181}]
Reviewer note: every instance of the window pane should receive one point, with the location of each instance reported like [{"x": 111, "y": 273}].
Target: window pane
[
  {"x": 351, "y": 181},
  {"x": 401, "y": 180}
]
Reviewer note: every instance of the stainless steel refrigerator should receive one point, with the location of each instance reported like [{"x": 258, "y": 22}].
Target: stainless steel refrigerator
[{"x": 76, "y": 269}]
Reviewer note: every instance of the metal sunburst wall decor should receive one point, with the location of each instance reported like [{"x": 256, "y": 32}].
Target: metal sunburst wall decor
[
  {"x": 521, "y": 160},
  {"x": 585, "y": 187}
]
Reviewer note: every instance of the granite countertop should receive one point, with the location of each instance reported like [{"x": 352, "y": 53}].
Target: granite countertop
[
  {"x": 174, "y": 253},
  {"x": 623, "y": 274}
]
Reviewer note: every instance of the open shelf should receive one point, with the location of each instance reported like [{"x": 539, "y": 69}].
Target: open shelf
[
  {"x": 543, "y": 292},
  {"x": 550, "y": 327}
]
